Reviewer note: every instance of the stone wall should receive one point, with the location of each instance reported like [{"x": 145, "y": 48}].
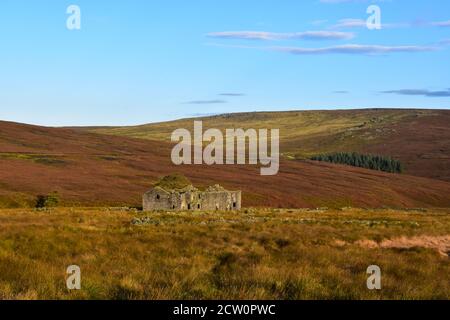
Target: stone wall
[
  {"x": 221, "y": 200},
  {"x": 195, "y": 200},
  {"x": 157, "y": 200}
]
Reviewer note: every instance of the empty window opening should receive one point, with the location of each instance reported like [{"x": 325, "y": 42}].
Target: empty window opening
[
  {"x": 189, "y": 206},
  {"x": 158, "y": 197},
  {"x": 234, "y": 204},
  {"x": 198, "y": 206}
]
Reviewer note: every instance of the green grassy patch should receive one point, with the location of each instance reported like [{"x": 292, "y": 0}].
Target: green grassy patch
[{"x": 48, "y": 160}]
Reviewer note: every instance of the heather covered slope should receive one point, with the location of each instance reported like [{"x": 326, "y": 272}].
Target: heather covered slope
[
  {"x": 420, "y": 139},
  {"x": 94, "y": 169}
]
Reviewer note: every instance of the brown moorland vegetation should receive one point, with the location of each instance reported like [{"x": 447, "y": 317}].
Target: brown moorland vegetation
[
  {"x": 420, "y": 139},
  {"x": 95, "y": 170},
  {"x": 254, "y": 254}
]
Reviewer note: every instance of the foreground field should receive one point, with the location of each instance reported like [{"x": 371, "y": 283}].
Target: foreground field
[{"x": 255, "y": 254}]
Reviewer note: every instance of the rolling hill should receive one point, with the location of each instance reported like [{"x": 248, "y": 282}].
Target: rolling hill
[
  {"x": 91, "y": 168},
  {"x": 420, "y": 139}
]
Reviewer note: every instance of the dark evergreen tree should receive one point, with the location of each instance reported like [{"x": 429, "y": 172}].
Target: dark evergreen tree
[{"x": 374, "y": 162}]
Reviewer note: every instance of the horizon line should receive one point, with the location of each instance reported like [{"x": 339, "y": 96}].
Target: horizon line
[{"x": 212, "y": 115}]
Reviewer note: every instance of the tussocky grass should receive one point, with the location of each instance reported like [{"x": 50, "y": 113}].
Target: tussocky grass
[{"x": 253, "y": 254}]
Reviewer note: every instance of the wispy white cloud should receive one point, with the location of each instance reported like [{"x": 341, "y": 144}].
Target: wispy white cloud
[
  {"x": 441, "y": 23},
  {"x": 270, "y": 36},
  {"x": 341, "y": 92},
  {"x": 360, "y": 23},
  {"x": 232, "y": 94},
  {"x": 354, "y": 49},
  {"x": 444, "y": 42},
  {"x": 351, "y": 23},
  {"x": 420, "y": 92},
  {"x": 206, "y": 102}
]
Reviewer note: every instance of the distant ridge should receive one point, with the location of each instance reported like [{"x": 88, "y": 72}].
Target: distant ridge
[{"x": 419, "y": 138}]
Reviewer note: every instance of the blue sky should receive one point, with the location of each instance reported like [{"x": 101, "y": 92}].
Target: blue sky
[{"x": 136, "y": 62}]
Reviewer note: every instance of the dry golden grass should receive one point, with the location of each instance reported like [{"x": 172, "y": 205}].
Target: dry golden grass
[{"x": 255, "y": 254}]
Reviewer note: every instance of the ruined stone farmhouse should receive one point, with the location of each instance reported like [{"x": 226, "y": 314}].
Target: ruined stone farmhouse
[{"x": 191, "y": 198}]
